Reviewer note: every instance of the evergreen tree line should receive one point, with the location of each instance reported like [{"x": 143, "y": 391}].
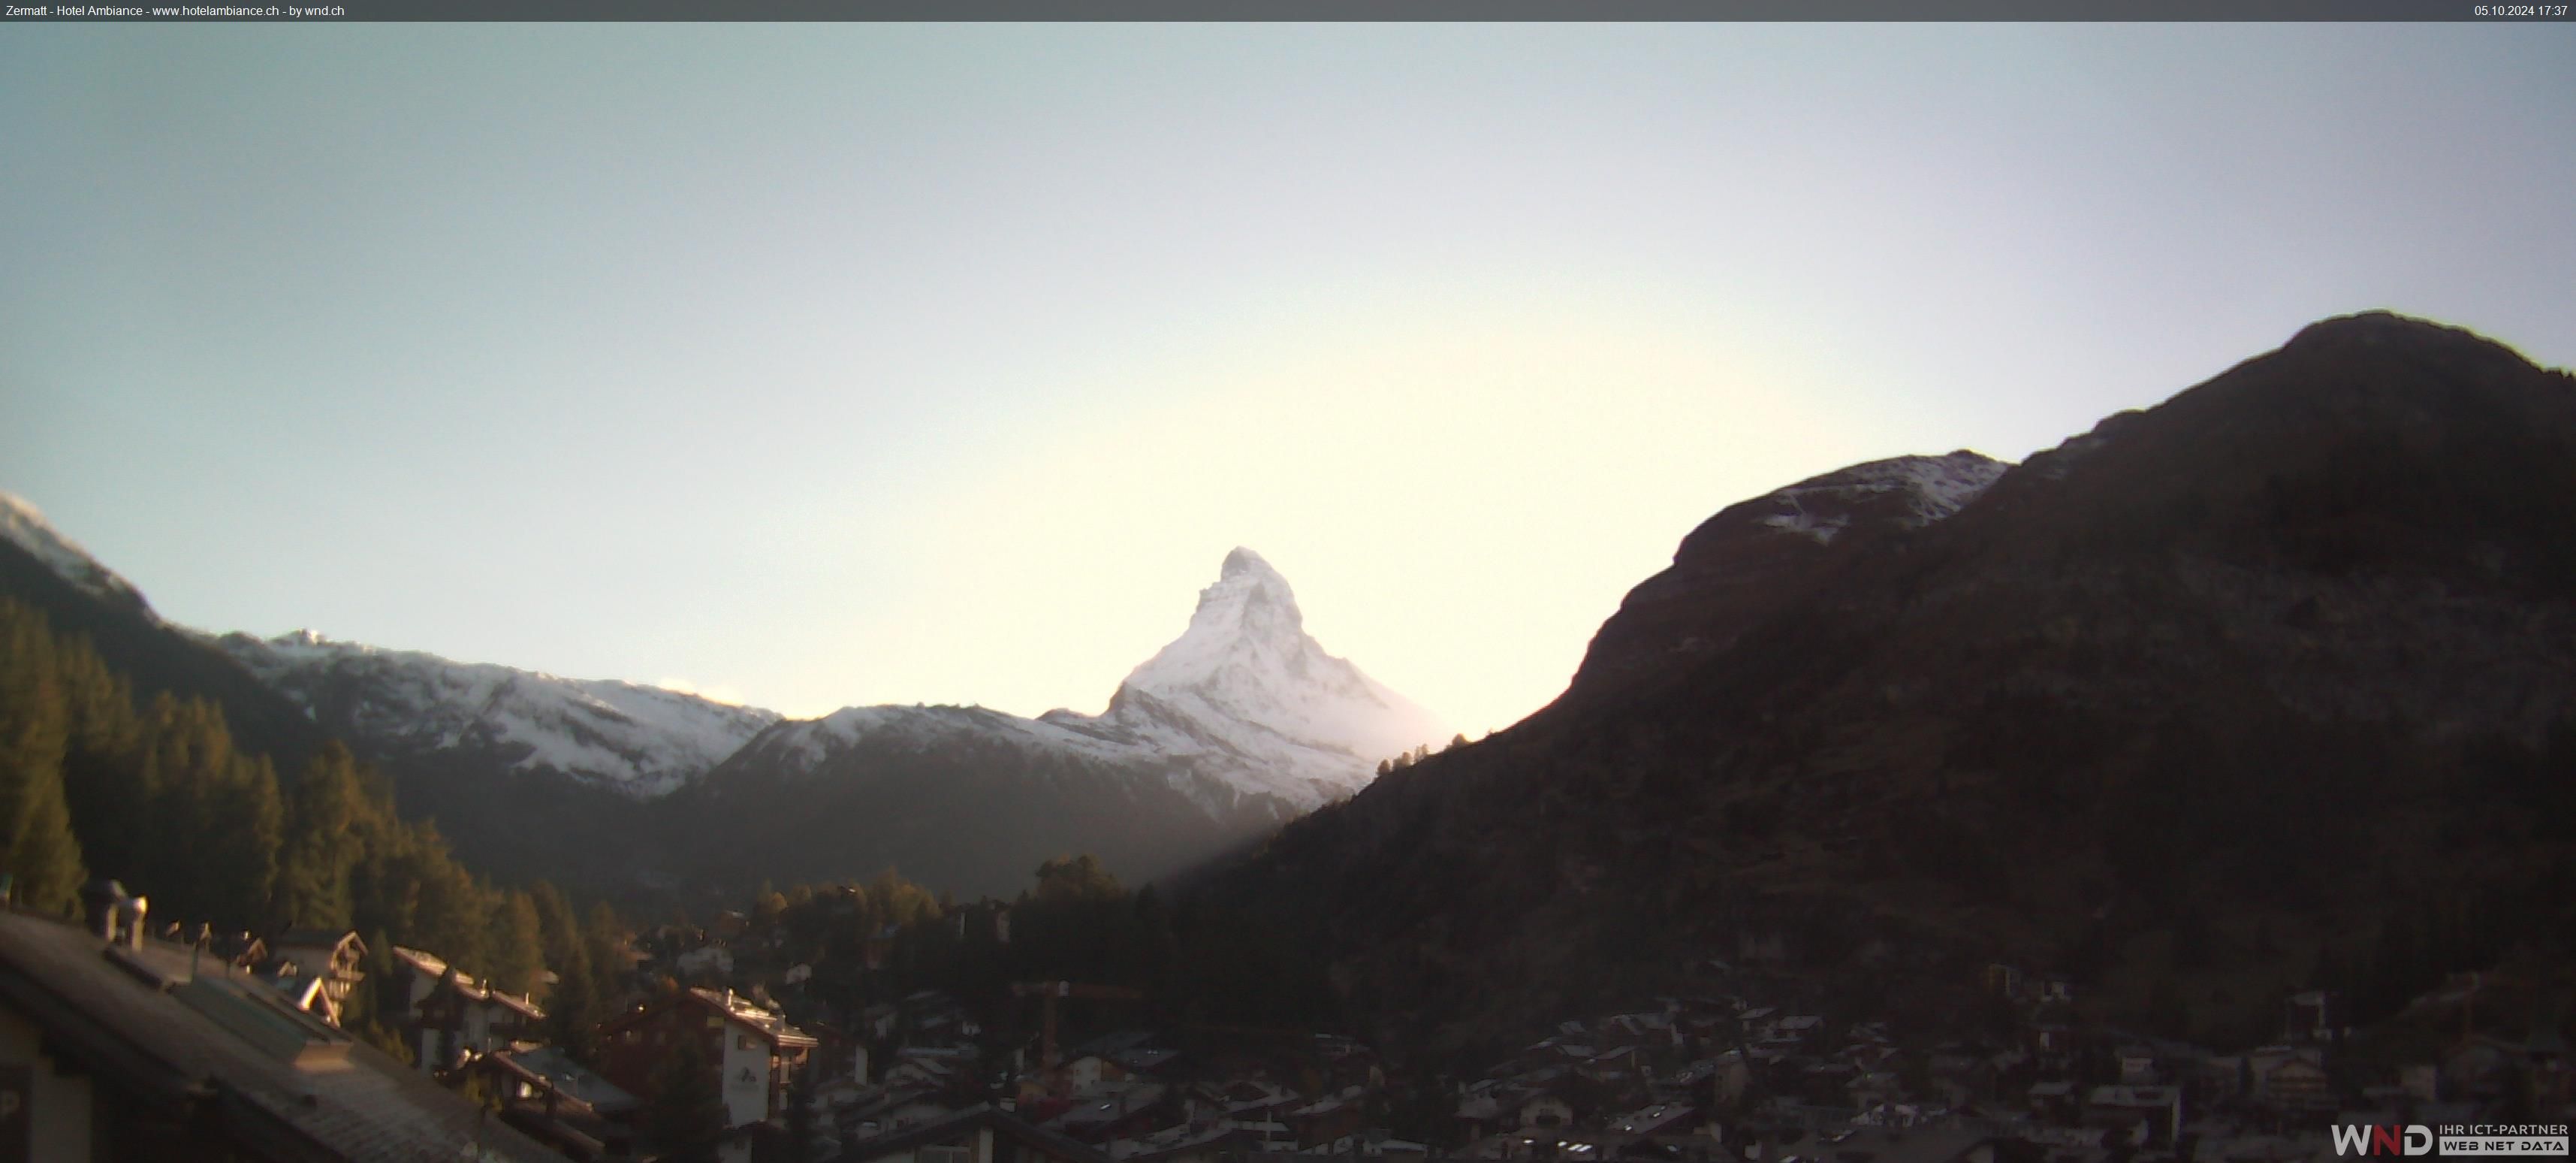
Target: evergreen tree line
[
  {"x": 155, "y": 795},
  {"x": 1194, "y": 960},
  {"x": 1417, "y": 755}
]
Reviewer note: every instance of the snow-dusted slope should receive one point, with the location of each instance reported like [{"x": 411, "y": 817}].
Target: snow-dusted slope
[
  {"x": 23, "y": 525},
  {"x": 638, "y": 739},
  {"x": 1931, "y": 487},
  {"x": 1755, "y": 556},
  {"x": 1243, "y": 703}
]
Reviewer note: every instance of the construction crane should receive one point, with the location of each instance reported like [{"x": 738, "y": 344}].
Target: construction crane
[{"x": 1051, "y": 990}]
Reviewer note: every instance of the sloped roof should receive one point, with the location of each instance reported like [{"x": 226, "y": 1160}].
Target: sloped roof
[
  {"x": 556, "y": 1069},
  {"x": 269, "y": 1074}
]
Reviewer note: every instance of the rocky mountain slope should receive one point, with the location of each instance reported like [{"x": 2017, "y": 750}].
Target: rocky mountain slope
[
  {"x": 40, "y": 566},
  {"x": 1745, "y": 563},
  {"x": 22, "y": 525},
  {"x": 2198, "y": 707},
  {"x": 638, "y": 740}
]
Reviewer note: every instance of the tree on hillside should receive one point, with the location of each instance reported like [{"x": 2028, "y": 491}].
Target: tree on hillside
[
  {"x": 1076, "y": 878},
  {"x": 801, "y": 1110},
  {"x": 322, "y": 844},
  {"x": 37, "y": 847},
  {"x": 516, "y": 945},
  {"x": 160, "y": 798},
  {"x": 687, "y": 1111}
]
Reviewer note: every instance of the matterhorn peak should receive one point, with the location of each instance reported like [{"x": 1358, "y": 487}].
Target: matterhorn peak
[
  {"x": 1243, "y": 561},
  {"x": 1247, "y": 679},
  {"x": 1248, "y": 602}
]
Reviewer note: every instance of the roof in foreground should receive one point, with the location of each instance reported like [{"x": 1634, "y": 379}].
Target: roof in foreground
[{"x": 226, "y": 1048}]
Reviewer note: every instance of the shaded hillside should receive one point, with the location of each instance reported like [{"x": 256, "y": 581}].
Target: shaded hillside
[
  {"x": 2212, "y": 696},
  {"x": 159, "y": 658},
  {"x": 519, "y": 830},
  {"x": 966, "y": 811}
]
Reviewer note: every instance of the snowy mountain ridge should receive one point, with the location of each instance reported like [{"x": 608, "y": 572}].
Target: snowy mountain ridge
[
  {"x": 23, "y": 524},
  {"x": 1243, "y": 703},
  {"x": 640, "y": 740}
]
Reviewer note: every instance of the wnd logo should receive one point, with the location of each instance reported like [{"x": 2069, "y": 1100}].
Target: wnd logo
[{"x": 2357, "y": 1139}]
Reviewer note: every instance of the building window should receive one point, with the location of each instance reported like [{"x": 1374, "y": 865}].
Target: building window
[
  {"x": 742, "y": 1042},
  {"x": 942, "y": 1155}
]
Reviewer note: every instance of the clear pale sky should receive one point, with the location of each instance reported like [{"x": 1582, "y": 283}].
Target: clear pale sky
[{"x": 843, "y": 364}]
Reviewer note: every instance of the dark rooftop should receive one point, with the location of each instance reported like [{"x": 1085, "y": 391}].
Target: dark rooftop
[{"x": 226, "y": 1046}]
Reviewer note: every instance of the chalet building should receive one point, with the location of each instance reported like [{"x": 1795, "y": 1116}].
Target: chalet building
[
  {"x": 415, "y": 974},
  {"x": 316, "y": 968},
  {"x": 117, "y": 1046},
  {"x": 451, "y": 1019},
  {"x": 554, "y": 1100},
  {"x": 754, "y": 1050},
  {"x": 463, "y": 1020}
]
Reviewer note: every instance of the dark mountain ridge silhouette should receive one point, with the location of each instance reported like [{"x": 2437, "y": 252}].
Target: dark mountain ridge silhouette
[{"x": 2209, "y": 701}]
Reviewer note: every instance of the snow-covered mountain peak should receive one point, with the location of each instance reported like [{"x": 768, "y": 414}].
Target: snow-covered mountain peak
[
  {"x": 1242, "y": 560},
  {"x": 1246, "y": 678},
  {"x": 1251, "y": 596},
  {"x": 1248, "y": 614},
  {"x": 1243, "y": 703},
  {"x": 24, "y": 525}
]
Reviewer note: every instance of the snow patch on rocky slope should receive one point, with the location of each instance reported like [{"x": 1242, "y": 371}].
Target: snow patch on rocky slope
[{"x": 641, "y": 740}]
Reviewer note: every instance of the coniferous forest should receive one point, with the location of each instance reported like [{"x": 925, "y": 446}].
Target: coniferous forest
[{"x": 95, "y": 782}]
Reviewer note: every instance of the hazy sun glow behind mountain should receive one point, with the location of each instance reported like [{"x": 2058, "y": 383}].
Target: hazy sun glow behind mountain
[{"x": 848, "y": 364}]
